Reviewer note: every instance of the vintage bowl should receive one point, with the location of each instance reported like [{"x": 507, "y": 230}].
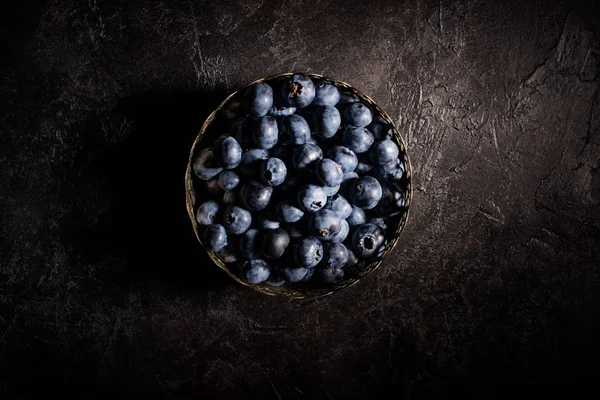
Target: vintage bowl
[{"x": 195, "y": 196}]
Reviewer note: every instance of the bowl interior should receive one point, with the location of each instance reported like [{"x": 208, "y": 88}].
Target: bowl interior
[{"x": 196, "y": 195}]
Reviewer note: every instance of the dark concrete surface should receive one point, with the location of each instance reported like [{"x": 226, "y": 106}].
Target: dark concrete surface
[{"x": 104, "y": 290}]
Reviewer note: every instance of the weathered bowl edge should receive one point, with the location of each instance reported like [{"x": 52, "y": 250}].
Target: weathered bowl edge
[{"x": 282, "y": 290}]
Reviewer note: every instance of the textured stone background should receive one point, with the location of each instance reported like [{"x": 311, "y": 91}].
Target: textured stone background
[{"x": 104, "y": 289}]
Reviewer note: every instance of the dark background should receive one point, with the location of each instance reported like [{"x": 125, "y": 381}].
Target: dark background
[{"x": 104, "y": 289}]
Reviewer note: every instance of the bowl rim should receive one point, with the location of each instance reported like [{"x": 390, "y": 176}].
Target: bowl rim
[{"x": 283, "y": 290}]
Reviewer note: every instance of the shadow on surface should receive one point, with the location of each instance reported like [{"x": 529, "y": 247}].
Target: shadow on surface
[{"x": 148, "y": 226}]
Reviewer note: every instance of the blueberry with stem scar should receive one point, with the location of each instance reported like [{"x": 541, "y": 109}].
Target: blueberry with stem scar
[
  {"x": 365, "y": 192},
  {"x": 367, "y": 240},
  {"x": 308, "y": 252},
  {"x": 207, "y": 212},
  {"x": 325, "y": 224},
  {"x": 273, "y": 171},
  {"x": 312, "y": 198},
  {"x": 236, "y": 220},
  {"x": 298, "y": 91}
]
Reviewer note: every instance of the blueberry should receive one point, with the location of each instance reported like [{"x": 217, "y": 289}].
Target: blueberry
[
  {"x": 308, "y": 252},
  {"x": 213, "y": 188},
  {"x": 358, "y": 114},
  {"x": 331, "y": 275},
  {"x": 365, "y": 192},
  {"x": 260, "y": 99},
  {"x": 358, "y": 217},
  {"x": 380, "y": 128},
  {"x": 367, "y": 240},
  {"x": 335, "y": 255},
  {"x": 264, "y": 221},
  {"x": 232, "y": 109},
  {"x": 250, "y": 244},
  {"x": 227, "y": 254},
  {"x": 236, "y": 220},
  {"x": 255, "y": 271},
  {"x": 329, "y": 172},
  {"x": 207, "y": 213},
  {"x": 312, "y": 198},
  {"x": 356, "y": 139},
  {"x": 295, "y": 129},
  {"x": 255, "y": 195},
  {"x": 380, "y": 222},
  {"x": 324, "y": 224},
  {"x": 293, "y": 274},
  {"x": 309, "y": 274},
  {"x": 228, "y": 180},
  {"x": 228, "y": 152},
  {"x": 306, "y": 155},
  {"x": 326, "y": 94},
  {"x": 392, "y": 201},
  {"x": 388, "y": 172},
  {"x": 383, "y": 152},
  {"x": 327, "y": 121},
  {"x": 214, "y": 237},
  {"x": 265, "y": 132},
  {"x": 287, "y": 211},
  {"x": 343, "y": 233},
  {"x": 338, "y": 204},
  {"x": 344, "y": 157},
  {"x": 364, "y": 164},
  {"x": 348, "y": 97},
  {"x": 331, "y": 190},
  {"x": 205, "y": 165},
  {"x": 273, "y": 171},
  {"x": 275, "y": 242},
  {"x": 298, "y": 91},
  {"x": 251, "y": 161}
]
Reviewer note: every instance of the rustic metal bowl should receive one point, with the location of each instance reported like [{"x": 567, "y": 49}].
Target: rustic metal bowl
[{"x": 298, "y": 290}]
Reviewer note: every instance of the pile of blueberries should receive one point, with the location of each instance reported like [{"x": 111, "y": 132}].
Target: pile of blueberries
[{"x": 302, "y": 186}]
